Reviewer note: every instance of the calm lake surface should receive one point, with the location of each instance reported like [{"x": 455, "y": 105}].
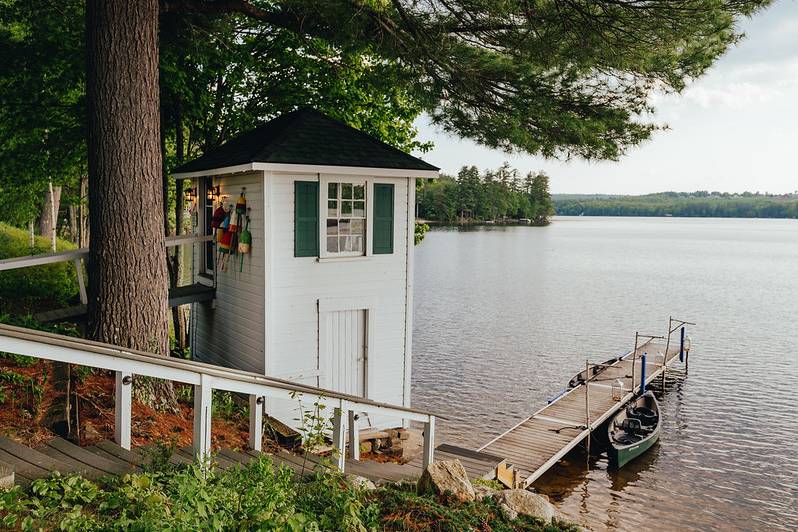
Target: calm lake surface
[{"x": 504, "y": 316}]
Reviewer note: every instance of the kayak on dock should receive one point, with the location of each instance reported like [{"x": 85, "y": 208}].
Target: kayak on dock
[
  {"x": 596, "y": 369},
  {"x": 633, "y": 430}
]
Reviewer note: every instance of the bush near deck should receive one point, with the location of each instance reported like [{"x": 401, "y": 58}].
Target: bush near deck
[
  {"x": 39, "y": 287},
  {"x": 251, "y": 497}
]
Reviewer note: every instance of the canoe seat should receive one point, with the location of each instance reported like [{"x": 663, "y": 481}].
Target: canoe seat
[{"x": 631, "y": 426}]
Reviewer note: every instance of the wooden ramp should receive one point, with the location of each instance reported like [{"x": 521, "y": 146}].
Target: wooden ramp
[
  {"x": 540, "y": 441},
  {"x": 182, "y": 295}
]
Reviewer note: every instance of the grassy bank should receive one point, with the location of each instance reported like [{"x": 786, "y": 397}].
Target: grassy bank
[
  {"x": 39, "y": 287},
  {"x": 252, "y": 497}
]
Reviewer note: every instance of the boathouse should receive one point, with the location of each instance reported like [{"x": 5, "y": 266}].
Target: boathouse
[{"x": 323, "y": 294}]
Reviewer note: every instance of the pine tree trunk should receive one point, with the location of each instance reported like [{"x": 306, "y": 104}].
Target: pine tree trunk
[{"x": 128, "y": 283}]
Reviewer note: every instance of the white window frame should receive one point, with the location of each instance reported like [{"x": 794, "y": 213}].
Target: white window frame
[{"x": 324, "y": 180}]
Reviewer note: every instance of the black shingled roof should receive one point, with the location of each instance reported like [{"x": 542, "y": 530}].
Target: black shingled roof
[{"x": 306, "y": 136}]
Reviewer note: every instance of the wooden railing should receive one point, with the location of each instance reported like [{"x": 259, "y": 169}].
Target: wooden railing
[
  {"x": 77, "y": 256},
  {"x": 205, "y": 378}
]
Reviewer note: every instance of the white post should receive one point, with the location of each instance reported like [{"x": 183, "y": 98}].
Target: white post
[
  {"x": 339, "y": 438},
  {"x": 354, "y": 437},
  {"x": 429, "y": 442},
  {"x": 202, "y": 418},
  {"x": 84, "y": 299},
  {"x": 123, "y": 408},
  {"x": 256, "y": 422}
]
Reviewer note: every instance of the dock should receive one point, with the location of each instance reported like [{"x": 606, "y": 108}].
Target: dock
[{"x": 537, "y": 443}]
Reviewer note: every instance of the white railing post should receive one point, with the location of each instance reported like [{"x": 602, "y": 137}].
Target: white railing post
[
  {"x": 202, "y": 418},
  {"x": 354, "y": 436},
  {"x": 123, "y": 408},
  {"x": 339, "y": 437},
  {"x": 84, "y": 298},
  {"x": 429, "y": 442},
  {"x": 256, "y": 422}
]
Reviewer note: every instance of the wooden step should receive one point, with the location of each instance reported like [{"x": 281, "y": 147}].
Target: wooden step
[
  {"x": 29, "y": 462},
  {"x": 109, "y": 449},
  {"x": 107, "y": 466}
]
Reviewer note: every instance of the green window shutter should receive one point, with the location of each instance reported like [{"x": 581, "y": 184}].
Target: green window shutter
[
  {"x": 383, "y": 219},
  {"x": 306, "y": 218}
]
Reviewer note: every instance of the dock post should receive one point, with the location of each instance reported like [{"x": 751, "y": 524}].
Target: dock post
[
  {"x": 681, "y": 345},
  {"x": 667, "y": 351},
  {"x": 634, "y": 360},
  {"x": 354, "y": 436},
  {"x": 203, "y": 395},
  {"x": 256, "y": 422},
  {"x": 339, "y": 437},
  {"x": 587, "y": 405},
  {"x": 429, "y": 442},
  {"x": 123, "y": 408},
  {"x": 643, "y": 373}
]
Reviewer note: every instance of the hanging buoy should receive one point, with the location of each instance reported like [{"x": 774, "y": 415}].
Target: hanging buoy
[
  {"x": 241, "y": 204},
  {"x": 244, "y": 244}
]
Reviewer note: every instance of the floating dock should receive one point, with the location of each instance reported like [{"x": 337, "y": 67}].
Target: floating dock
[{"x": 534, "y": 445}]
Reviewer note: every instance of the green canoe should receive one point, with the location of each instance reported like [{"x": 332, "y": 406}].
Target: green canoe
[{"x": 633, "y": 430}]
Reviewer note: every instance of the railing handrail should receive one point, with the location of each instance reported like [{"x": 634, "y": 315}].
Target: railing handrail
[
  {"x": 194, "y": 367},
  {"x": 79, "y": 253}
]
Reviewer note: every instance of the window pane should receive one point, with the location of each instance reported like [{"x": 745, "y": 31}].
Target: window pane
[
  {"x": 360, "y": 192},
  {"x": 359, "y": 209},
  {"x": 344, "y": 226},
  {"x": 346, "y": 190},
  {"x": 346, "y": 243},
  {"x": 332, "y": 244},
  {"x": 357, "y": 243},
  {"x": 346, "y": 208},
  {"x": 332, "y": 208},
  {"x": 332, "y": 227},
  {"x": 332, "y": 190},
  {"x": 358, "y": 227}
]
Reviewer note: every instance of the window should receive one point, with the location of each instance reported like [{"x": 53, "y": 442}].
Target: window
[{"x": 346, "y": 219}]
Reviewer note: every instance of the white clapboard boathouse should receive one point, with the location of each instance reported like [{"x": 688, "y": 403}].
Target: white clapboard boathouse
[{"x": 324, "y": 295}]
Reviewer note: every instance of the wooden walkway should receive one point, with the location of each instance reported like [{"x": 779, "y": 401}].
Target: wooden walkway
[
  {"x": 540, "y": 441},
  {"x": 107, "y": 458},
  {"x": 182, "y": 295}
]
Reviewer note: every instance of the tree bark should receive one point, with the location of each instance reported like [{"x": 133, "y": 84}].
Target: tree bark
[
  {"x": 128, "y": 284},
  {"x": 48, "y": 223}
]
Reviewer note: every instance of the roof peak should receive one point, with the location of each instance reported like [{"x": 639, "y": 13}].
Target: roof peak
[{"x": 309, "y": 137}]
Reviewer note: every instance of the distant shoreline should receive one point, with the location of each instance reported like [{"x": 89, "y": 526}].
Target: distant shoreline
[{"x": 699, "y": 204}]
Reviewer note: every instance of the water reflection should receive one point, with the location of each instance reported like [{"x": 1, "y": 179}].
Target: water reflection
[{"x": 504, "y": 316}]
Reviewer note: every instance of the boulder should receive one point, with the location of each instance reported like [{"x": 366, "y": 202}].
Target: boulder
[
  {"x": 361, "y": 482},
  {"x": 482, "y": 492},
  {"x": 447, "y": 476},
  {"x": 524, "y": 502},
  {"x": 6, "y": 477}
]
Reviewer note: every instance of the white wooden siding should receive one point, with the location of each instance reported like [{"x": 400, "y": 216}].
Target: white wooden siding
[
  {"x": 298, "y": 284},
  {"x": 231, "y": 332}
]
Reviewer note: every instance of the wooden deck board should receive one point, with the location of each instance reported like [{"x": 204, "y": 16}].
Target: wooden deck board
[{"x": 113, "y": 467}]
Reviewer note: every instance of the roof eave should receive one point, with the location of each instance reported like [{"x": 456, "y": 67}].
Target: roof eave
[{"x": 313, "y": 169}]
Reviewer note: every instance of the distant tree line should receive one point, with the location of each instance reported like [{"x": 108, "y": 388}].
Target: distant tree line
[
  {"x": 698, "y": 204},
  {"x": 493, "y": 195}
]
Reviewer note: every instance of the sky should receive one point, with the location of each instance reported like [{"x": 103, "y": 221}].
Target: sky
[{"x": 735, "y": 129}]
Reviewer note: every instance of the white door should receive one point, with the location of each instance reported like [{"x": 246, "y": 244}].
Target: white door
[{"x": 346, "y": 349}]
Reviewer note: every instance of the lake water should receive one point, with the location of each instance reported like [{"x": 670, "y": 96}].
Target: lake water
[{"x": 504, "y": 316}]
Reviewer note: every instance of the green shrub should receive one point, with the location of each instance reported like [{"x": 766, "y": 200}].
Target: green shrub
[
  {"x": 37, "y": 287},
  {"x": 252, "y": 497}
]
